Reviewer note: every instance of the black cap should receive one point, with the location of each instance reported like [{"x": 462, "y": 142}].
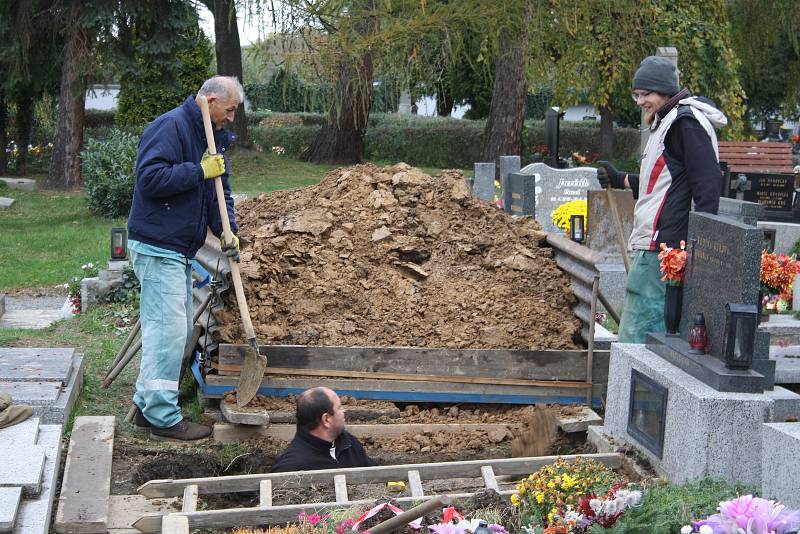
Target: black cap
[{"x": 657, "y": 74}]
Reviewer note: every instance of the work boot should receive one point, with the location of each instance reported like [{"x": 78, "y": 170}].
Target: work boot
[
  {"x": 183, "y": 431},
  {"x": 140, "y": 421}
]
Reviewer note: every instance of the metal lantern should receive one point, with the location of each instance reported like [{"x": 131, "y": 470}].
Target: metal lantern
[
  {"x": 119, "y": 243},
  {"x": 576, "y": 227},
  {"x": 738, "y": 343}
]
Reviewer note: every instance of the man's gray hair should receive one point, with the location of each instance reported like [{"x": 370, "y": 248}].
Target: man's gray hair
[{"x": 227, "y": 87}]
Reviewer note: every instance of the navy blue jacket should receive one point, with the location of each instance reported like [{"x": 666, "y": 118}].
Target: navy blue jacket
[{"x": 172, "y": 203}]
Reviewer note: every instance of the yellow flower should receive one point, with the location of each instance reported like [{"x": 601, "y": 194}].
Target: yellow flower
[
  {"x": 539, "y": 497},
  {"x": 515, "y": 499},
  {"x": 551, "y": 484}
]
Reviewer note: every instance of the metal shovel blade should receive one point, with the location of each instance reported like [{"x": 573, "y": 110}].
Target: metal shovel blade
[{"x": 251, "y": 375}]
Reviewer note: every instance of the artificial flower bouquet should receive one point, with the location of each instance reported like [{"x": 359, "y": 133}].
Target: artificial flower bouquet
[
  {"x": 569, "y": 497},
  {"x": 673, "y": 263},
  {"x": 748, "y": 515},
  {"x": 777, "y": 278}
]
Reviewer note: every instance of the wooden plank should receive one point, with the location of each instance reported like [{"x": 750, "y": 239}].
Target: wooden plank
[
  {"x": 364, "y": 475},
  {"x": 224, "y": 433},
  {"x": 340, "y": 488},
  {"x": 265, "y": 493},
  {"x": 189, "y": 498},
  {"x": 275, "y": 371},
  {"x": 489, "y": 479},
  {"x": 275, "y": 515},
  {"x": 396, "y": 389},
  {"x": 565, "y": 365},
  {"x": 415, "y": 482},
  {"x": 175, "y": 524}
]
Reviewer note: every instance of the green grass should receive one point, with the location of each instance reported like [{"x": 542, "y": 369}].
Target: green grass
[{"x": 46, "y": 236}]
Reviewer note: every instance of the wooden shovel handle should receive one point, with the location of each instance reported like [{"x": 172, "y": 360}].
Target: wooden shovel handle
[{"x": 244, "y": 311}]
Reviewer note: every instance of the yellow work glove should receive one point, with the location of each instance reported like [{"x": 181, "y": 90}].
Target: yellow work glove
[
  {"x": 231, "y": 248},
  {"x": 213, "y": 165}
]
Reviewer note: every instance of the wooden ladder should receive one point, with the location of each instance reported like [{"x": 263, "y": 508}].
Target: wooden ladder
[{"x": 266, "y": 513}]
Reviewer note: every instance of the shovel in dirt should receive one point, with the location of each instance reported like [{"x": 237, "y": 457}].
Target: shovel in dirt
[{"x": 255, "y": 363}]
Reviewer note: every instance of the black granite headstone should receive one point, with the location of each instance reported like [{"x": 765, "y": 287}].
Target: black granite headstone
[
  {"x": 723, "y": 267},
  {"x": 773, "y": 191},
  {"x": 519, "y": 197}
]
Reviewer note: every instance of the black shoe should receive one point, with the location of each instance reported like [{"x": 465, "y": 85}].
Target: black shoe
[{"x": 183, "y": 431}]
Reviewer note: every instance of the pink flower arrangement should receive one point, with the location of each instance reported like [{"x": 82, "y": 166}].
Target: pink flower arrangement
[{"x": 749, "y": 515}]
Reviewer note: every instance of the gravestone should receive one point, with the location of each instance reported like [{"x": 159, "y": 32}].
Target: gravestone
[
  {"x": 519, "y": 195},
  {"x": 483, "y": 183},
  {"x": 554, "y": 187},
  {"x": 508, "y": 164},
  {"x": 740, "y": 210},
  {"x": 722, "y": 267},
  {"x": 773, "y": 191}
]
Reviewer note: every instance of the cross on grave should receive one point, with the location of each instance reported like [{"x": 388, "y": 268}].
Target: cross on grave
[{"x": 722, "y": 267}]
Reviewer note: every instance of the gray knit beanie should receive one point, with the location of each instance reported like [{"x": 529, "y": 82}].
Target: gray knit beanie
[{"x": 657, "y": 74}]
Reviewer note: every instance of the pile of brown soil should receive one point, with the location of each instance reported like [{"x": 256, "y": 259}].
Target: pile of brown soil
[{"x": 390, "y": 256}]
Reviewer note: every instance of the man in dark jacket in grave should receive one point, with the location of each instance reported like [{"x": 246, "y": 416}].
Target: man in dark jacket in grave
[
  {"x": 321, "y": 442},
  {"x": 174, "y": 205},
  {"x": 679, "y": 167}
]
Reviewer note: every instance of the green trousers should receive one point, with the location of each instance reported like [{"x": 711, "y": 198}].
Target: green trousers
[{"x": 643, "y": 310}]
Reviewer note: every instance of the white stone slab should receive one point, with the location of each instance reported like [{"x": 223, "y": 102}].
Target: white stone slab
[
  {"x": 579, "y": 421},
  {"x": 30, "y": 319},
  {"x": 34, "y": 514},
  {"x": 780, "y": 469},
  {"x": 787, "y": 363},
  {"x": 24, "y": 469},
  {"x": 23, "y": 184},
  {"x": 707, "y": 433},
  {"x": 86, "y": 486},
  {"x": 9, "y": 504},
  {"x": 35, "y": 364},
  {"x": 32, "y": 393},
  {"x": 22, "y": 434},
  {"x": 6, "y": 202}
]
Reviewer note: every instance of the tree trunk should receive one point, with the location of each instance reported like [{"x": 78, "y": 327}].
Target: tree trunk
[
  {"x": 3, "y": 134},
  {"x": 444, "y": 102},
  {"x": 606, "y": 134},
  {"x": 65, "y": 165},
  {"x": 503, "y": 133},
  {"x": 341, "y": 139},
  {"x": 229, "y": 55},
  {"x": 24, "y": 122}
]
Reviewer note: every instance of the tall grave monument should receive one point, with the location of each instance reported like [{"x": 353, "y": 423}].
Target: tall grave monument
[{"x": 690, "y": 414}]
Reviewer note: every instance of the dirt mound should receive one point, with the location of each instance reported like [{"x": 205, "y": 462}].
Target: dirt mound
[{"x": 390, "y": 256}]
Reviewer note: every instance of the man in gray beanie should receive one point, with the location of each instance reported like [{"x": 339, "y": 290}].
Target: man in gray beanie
[{"x": 679, "y": 166}]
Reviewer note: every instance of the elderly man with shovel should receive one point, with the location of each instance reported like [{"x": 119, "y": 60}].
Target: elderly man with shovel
[{"x": 174, "y": 202}]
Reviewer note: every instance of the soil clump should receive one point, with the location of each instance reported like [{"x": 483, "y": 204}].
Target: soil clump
[{"x": 389, "y": 256}]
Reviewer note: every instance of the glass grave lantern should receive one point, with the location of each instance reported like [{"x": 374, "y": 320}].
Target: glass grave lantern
[
  {"x": 576, "y": 227},
  {"x": 738, "y": 342},
  {"x": 119, "y": 243}
]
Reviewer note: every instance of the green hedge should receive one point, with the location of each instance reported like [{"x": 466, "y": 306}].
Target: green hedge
[
  {"x": 439, "y": 141},
  {"x": 108, "y": 172}
]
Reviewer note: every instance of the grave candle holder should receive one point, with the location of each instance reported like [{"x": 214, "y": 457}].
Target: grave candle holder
[
  {"x": 576, "y": 232},
  {"x": 738, "y": 342},
  {"x": 119, "y": 243},
  {"x": 698, "y": 340}
]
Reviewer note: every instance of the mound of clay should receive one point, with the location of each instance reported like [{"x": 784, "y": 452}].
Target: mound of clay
[{"x": 390, "y": 256}]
